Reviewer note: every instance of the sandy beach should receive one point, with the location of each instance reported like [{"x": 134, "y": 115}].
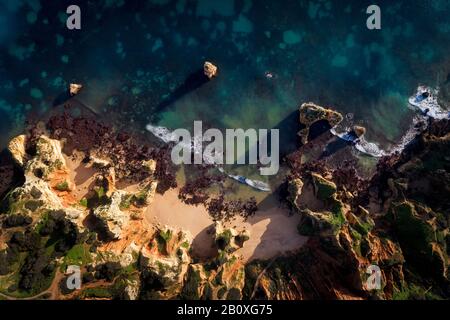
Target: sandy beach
[{"x": 272, "y": 230}]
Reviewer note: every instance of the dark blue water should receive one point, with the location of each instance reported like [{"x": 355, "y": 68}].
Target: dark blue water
[{"x": 135, "y": 59}]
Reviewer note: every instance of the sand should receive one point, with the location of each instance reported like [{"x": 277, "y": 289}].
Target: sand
[
  {"x": 272, "y": 230},
  {"x": 81, "y": 174}
]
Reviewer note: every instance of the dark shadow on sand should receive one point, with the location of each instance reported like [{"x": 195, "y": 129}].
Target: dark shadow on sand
[
  {"x": 203, "y": 245},
  {"x": 289, "y": 143}
]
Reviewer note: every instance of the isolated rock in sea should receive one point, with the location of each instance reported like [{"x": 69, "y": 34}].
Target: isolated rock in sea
[
  {"x": 17, "y": 149},
  {"x": 359, "y": 131},
  {"x": 310, "y": 113},
  {"x": 110, "y": 217},
  {"x": 210, "y": 70},
  {"x": 75, "y": 88}
]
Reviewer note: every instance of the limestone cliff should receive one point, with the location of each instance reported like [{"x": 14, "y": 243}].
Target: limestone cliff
[
  {"x": 397, "y": 222},
  {"x": 311, "y": 113}
]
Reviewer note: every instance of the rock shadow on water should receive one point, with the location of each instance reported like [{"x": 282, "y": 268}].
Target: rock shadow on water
[
  {"x": 62, "y": 98},
  {"x": 193, "y": 82},
  {"x": 334, "y": 146},
  {"x": 318, "y": 128}
]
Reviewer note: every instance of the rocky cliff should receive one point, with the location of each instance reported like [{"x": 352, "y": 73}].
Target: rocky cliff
[
  {"x": 82, "y": 193},
  {"x": 398, "y": 223},
  {"x": 83, "y": 207}
]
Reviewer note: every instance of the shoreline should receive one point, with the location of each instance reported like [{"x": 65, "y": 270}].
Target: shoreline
[{"x": 271, "y": 228}]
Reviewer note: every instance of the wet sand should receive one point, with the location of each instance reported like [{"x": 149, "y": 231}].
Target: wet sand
[{"x": 272, "y": 230}]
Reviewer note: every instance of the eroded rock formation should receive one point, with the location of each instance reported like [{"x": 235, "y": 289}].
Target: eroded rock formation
[
  {"x": 311, "y": 113},
  {"x": 210, "y": 70}
]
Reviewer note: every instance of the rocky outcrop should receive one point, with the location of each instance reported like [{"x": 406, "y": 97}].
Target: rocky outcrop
[
  {"x": 110, "y": 217},
  {"x": 359, "y": 131},
  {"x": 164, "y": 263},
  {"x": 228, "y": 239},
  {"x": 210, "y": 70},
  {"x": 48, "y": 158},
  {"x": 131, "y": 290},
  {"x": 382, "y": 224},
  {"x": 17, "y": 149},
  {"x": 323, "y": 188},
  {"x": 294, "y": 191},
  {"x": 49, "y": 204},
  {"x": 99, "y": 162},
  {"x": 37, "y": 195},
  {"x": 224, "y": 276},
  {"x": 75, "y": 88},
  {"x": 311, "y": 113},
  {"x": 421, "y": 238}
]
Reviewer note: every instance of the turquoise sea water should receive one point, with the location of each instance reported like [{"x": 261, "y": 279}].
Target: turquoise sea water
[{"x": 139, "y": 59}]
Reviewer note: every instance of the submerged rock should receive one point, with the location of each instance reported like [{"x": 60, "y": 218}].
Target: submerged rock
[
  {"x": 210, "y": 70},
  {"x": 311, "y": 113}
]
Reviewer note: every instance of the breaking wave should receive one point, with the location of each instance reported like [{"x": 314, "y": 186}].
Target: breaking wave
[
  {"x": 168, "y": 136},
  {"x": 426, "y": 101}
]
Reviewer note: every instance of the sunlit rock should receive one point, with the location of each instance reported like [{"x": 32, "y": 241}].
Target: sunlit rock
[
  {"x": 210, "y": 70},
  {"x": 75, "y": 88}
]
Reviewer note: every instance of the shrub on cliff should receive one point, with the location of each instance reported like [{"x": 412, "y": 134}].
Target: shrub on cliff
[{"x": 17, "y": 220}]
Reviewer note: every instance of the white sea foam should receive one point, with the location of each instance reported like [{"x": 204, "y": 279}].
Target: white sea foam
[
  {"x": 429, "y": 108},
  {"x": 168, "y": 136}
]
